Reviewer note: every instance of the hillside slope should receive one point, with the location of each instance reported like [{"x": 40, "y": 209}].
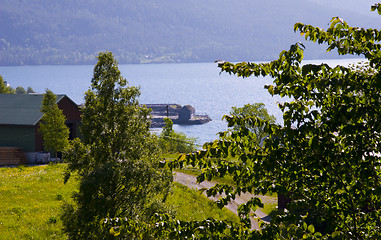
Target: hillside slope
[{"x": 74, "y": 31}]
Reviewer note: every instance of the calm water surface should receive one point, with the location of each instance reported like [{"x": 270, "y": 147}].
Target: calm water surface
[{"x": 198, "y": 84}]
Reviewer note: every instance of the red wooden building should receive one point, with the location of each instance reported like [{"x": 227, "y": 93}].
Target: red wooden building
[{"x": 20, "y": 116}]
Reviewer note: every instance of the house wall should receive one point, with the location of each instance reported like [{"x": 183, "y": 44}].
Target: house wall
[
  {"x": 18, "y": 136},
  {"x": 186, "y": 113},
  {"x": 39, "y": 143},
  {"x": 70, "y": 109},
  {"x": 73, "y": 121},
  {"x": 73, "y": 116},
  {"x": 28, "y": 138}
]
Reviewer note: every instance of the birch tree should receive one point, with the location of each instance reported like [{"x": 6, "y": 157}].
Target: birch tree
[{"x": 117, "y": 163}]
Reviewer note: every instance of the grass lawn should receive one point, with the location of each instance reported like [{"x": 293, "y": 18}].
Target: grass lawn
[
  {"x": 31, "y": 198},
  {"x": 192, "y": 205}
]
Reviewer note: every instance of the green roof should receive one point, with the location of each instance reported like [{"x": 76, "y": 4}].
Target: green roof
[{"x": 21, "y": 109}]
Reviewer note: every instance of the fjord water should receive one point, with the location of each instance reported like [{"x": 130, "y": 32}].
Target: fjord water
[{"x": 198, "y": 84}]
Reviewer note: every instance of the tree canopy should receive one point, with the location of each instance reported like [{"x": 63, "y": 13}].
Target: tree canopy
[
  {"x": 249, "y": 111},
  {"x": 117, "y": 162},
  {"x": 20, "y": 90},
  {"x": 52, "y": 127},
  {"x": 4, "y": 88},
  {"x": 325, "y": 157},
  {"x": 30, "y": 90}
]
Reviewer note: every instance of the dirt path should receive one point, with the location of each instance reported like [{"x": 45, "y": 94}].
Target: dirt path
[{"x": 191, "y": 182}]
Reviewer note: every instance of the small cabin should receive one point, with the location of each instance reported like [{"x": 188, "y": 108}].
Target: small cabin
[{"x": 186, "y": 113}]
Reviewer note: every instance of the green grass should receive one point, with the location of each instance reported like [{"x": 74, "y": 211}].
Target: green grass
[
  {"x": 192, "y": 205},
  {"x": 31, "y": 199},
  {"x": 269, "y": 208}
]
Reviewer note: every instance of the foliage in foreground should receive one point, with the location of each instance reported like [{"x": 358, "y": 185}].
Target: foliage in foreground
[
  {"x": 118, "y": 161},
  {"x": 325, "y": 157}
]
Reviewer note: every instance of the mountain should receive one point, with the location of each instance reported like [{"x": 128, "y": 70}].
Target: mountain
[{"x": 36, "y": 32}]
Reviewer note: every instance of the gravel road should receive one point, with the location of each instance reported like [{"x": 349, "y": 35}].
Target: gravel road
[{"x": 191, "y": 182}]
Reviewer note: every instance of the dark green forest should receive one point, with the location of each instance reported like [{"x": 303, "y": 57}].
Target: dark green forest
[{"x": 73, "y": 32}]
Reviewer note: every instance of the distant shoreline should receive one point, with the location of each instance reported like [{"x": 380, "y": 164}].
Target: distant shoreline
[{"x": 334, "y": 58}]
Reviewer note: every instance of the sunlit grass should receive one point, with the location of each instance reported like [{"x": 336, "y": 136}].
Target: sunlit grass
[
  {"x": 269, "y": 208},
  {"x": 192, "y": 205},
  {"x": 31, "y": 199}
]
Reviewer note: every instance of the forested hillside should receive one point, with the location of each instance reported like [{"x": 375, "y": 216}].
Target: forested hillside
[{"x": 74, "y": 31}]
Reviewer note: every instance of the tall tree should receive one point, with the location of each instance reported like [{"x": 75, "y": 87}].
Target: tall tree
[
  {"x": 54, "y": 131},
  {"x": 117, "y": 162},
  {"x": 325, "y": 157}
]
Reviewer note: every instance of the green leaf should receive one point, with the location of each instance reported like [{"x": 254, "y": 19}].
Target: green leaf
[
  {"x": 305, "y": 226},
  {"x": 377, "y": 7},
  {"x": 270, "y": 89},
  {"x": 182, "y": 157},
  {"x": 311, "y": 228},
  {"x": 318, "y": 235},
  {"x": 314, "y": 142},
  {"x": 336, "y": 234},
  {"x": 201, "y": 178},
  {"x": 115, "y": 231}
]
